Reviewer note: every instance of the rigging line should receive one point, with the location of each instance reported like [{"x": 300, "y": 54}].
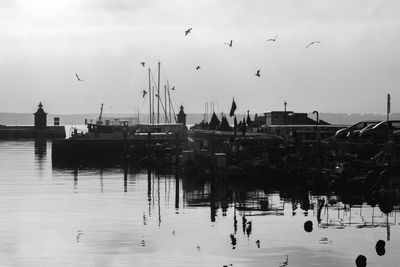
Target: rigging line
[
  {"x": 164, "y": 110},
  {"x": 173, "y": 111},
  {"x": 219, "y": 111},
  {"x": 144, "y": 100},
  {"x": 152, "y": 76}
]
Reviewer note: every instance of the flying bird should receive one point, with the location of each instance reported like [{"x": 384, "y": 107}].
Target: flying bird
[
  {"x": 142, "y": 63},
  {"x": 313, "y": 42},
  {"x": 258, "y": 73},
  {"x": 198, "y": 67},
  {"x": 144, "y": 93},
  {"x": 79, "y": 79},
  {"x": 272, "y": 39},
  {"x": 229, "y": 44},
  {"x": 173, "y": 88},
  {"x": 188, "y": 31}
]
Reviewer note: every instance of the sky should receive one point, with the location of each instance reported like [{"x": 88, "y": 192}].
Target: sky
[{"x": 43, "y": 43}]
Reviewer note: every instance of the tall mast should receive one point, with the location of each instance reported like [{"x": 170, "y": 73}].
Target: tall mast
[
  {"x": 149, "y": 97},
  {"x": 169, "y": 100},
  {"x": 165, "y": 104},
  {"x": 158, "y": 94},
  {"x": 152, "y": 112}
]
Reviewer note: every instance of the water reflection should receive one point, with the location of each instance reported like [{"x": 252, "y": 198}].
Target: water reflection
[
  {"x": 245, "y": 199},
  {"x": 121, "y": 215},
  {"x": 163, "y": 212},
  {"x": 40, "y": 150}
]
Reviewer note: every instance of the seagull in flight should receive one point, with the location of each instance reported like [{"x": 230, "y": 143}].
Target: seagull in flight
[
  {"x": 258, "y": 73},
  {"x": 229, "y": 44},
  {"x": 198, "y": 67},
  {"x": 272, "y": 39},
  {"x": 142, "y": 63},
  {"x": 313, "y": 42},
  {"x": 144, "y": 93},
  {"x": 188, "y": 31},
  {"x": 79, "y": 79}
]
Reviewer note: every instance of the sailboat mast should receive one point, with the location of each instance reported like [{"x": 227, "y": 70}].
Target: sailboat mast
[
  {"x": 165, "y": 104},
  {"x": 149, "y": 98},
  {"x": 169, "y": 100},
  {"x": 152, "y": 111},
  {"x": 158, "y": 94}
]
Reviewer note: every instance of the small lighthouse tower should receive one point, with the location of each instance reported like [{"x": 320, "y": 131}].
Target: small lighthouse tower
[
  {"x": 40, "y": 117},
  {"x": 182, "y": 116}
]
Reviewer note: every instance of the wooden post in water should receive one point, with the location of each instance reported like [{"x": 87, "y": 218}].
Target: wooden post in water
[
  {"x": 177, "y": 190},
  {"x": 126, "y": 177}
]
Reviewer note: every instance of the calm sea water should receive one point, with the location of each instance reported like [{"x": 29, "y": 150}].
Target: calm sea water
[{"x": 121, "y": 216}]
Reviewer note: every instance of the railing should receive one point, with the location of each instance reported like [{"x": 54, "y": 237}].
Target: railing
[{"x": 115, "y": 121}]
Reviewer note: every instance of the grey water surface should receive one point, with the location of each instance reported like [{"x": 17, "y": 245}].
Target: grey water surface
[{"x": 125, "y": 216}]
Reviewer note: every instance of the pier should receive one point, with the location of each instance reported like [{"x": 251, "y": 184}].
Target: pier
[{"x": 38, "y": 130}]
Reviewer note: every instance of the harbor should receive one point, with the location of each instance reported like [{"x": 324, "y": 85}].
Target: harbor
[
  {"x": 199, "y": 133},
  {"x": 212, "y": 219}
]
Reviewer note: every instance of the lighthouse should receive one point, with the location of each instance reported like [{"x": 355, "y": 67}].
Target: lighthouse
[
  {"x": 182, "y": 116},
  {"x": 40, "y": 117}
]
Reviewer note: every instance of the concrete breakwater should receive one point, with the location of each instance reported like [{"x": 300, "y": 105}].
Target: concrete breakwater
[
  {"x": 83, "y": 150},
  {"x": 30, "y": 132}
]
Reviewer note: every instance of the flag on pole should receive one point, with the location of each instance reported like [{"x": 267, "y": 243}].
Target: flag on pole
[{"x": 233, "y": 108}]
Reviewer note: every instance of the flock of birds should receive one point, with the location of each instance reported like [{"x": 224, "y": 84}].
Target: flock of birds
[{"x": 229, "y": 44}]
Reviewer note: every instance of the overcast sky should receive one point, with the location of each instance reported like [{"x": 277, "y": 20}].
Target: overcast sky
[{"x": 43, "y": 43}]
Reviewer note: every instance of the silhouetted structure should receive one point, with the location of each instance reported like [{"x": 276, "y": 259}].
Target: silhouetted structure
[
  {"x": 40, "y": 118},
  {"x": 39, "y": 130},
  {"x": 181, "y": 116},
  {"x": 290, "y": 118}
]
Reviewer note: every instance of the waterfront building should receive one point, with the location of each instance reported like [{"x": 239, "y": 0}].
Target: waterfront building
[{"x": 297, "y": 126}]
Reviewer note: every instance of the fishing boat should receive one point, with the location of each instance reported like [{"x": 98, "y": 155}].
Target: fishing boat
[{"x": 114, "y": 139}]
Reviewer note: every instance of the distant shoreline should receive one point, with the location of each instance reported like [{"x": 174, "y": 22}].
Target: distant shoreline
[{"x": 21, "y": 119}]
